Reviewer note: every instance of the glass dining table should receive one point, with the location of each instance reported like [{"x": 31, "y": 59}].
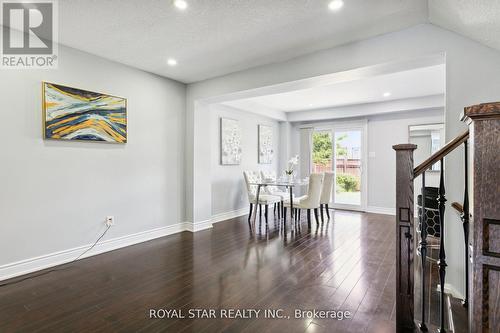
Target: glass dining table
[{"x": 288, "y": 184}]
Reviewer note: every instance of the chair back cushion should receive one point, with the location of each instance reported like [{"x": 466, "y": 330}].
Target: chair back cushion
[
  {"x": 326, "y": 191},
  {"x": 314, "y": 191},
  {"x": 251, "y": 177},
  {"x": 266, "y": 175}
]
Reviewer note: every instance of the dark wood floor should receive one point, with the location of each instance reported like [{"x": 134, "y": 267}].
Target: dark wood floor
[{"x": 346, "y": 263}]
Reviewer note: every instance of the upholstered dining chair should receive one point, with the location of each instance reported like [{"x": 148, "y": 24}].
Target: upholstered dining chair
[
  {"x": 310, "y": 200},
  {"x": 326, "y": 193},
  {"x": 264, "y": 198},
  {"x": 274, "y": 190}
]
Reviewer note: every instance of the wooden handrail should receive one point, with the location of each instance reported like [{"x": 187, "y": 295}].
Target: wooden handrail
[
  {"x": 458, "y": 207},
  {"x": 448, "y": 148}
]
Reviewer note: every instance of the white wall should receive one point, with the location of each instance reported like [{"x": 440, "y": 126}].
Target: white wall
[
  {"x": 285, "y": 144},
  {"x": 468, "y": 63},
  {"x": 55, "y": 195},
  {"x": 228, "y": 187},
  {"x": 384, "y": 131}
]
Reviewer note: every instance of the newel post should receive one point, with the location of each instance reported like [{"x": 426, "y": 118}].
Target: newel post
[
  {"x": 404, "y": 236},
  {"x": 484, "y": 232}
]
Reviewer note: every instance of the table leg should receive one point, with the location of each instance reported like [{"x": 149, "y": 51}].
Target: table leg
[
  {"x": 291, "y": 203},
  {"x": 256, "y": 205}
]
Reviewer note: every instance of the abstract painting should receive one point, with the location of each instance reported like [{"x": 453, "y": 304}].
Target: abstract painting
[
  {"x": 230, "y": 147},
  {"x": 266, "y": 151},
  {"x": 75, "y": 114}
]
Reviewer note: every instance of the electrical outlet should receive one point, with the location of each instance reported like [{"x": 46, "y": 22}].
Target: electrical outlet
[{"x": 110, "y": 220}]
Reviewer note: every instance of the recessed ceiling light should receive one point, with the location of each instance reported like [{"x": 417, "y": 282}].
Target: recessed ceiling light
[
  {"x": 336, "y": 5},
  {"x": 171, "y": 62},
  {"x": 387, "y": 94},
  {"x": 180, "y": 4}
]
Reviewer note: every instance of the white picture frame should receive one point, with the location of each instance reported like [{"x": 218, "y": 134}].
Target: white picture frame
[
  {"x": 230, "y": 142},
  {"x": 265, "y": 144}
]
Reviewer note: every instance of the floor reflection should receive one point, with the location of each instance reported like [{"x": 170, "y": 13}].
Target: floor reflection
[{"x": 344, "y": 263}]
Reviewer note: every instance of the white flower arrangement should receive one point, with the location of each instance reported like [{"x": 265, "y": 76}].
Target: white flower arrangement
[{"x": 292, "y": 163}]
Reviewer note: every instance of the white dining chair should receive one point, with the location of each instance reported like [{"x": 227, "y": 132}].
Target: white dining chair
[
  {"x": 310, "y": 200},
  {"x": 326, "y": 193},
  {"x": 264, "y": 198},
  {"x": 267, "y": 175}
]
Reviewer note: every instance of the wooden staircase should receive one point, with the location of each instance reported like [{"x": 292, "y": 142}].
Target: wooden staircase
[
  {"x": 419, "y": 298},
  {"x": 455, "y": 319}
]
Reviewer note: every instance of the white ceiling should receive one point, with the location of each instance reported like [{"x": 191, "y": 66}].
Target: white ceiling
[
  {"x": 418, "y": 82},
  {"x": 477, "y": 19},
  {"x": 217, "y": 37}
]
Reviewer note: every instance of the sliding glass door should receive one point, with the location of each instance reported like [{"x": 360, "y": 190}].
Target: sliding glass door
[
  {"x": 322, "y": 151},
  {"x": 348, "y": 180},
  {"x": 341, "y": 148}
]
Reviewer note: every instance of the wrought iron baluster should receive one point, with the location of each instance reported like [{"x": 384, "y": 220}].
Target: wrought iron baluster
[
  {"x": 465, "y": 224},
  {"x": 423, "y": 251},
  {"x": 442, "y": 254}
]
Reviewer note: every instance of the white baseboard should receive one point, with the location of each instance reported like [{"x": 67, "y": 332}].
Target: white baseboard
[
  {"x": 57, "y": 258},
  {"x": 30, "y": 265},
  {"x": 229, "y": 215},
  {"x": 198, "y": 226},
  {"x": 381, "y": 210},
  {"x": 208, "y": 224}
]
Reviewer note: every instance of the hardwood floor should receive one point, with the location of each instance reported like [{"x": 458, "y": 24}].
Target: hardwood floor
[{"x": 346, "y": 263}]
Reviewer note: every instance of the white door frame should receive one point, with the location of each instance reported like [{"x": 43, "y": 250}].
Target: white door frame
[{"x": 361, "y": 125}]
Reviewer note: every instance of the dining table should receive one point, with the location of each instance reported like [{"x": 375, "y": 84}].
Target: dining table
[{"x": 289, "y": 184}]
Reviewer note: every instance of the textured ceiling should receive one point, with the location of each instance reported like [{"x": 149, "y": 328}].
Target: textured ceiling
[
  {"x": 217, "y": 37},
  {"x": 407, "y": 84},
  {"x": 476, "y": 19}
]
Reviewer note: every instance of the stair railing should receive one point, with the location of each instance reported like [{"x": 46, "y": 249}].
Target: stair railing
[
  {"x": 405, "y": 175},
  {"x": 481, "y": 223}
]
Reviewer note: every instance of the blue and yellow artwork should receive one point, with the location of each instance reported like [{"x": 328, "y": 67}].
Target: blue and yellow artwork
[{"x": 75, "y": 114}]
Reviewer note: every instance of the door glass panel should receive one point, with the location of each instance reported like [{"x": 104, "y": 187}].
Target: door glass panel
[
  {"x": 322, "y": 151},
  {"x": 348, "y": 167}
]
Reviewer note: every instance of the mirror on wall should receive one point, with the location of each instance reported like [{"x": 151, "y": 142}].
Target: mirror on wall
[{"x": 429, "y": 138}]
